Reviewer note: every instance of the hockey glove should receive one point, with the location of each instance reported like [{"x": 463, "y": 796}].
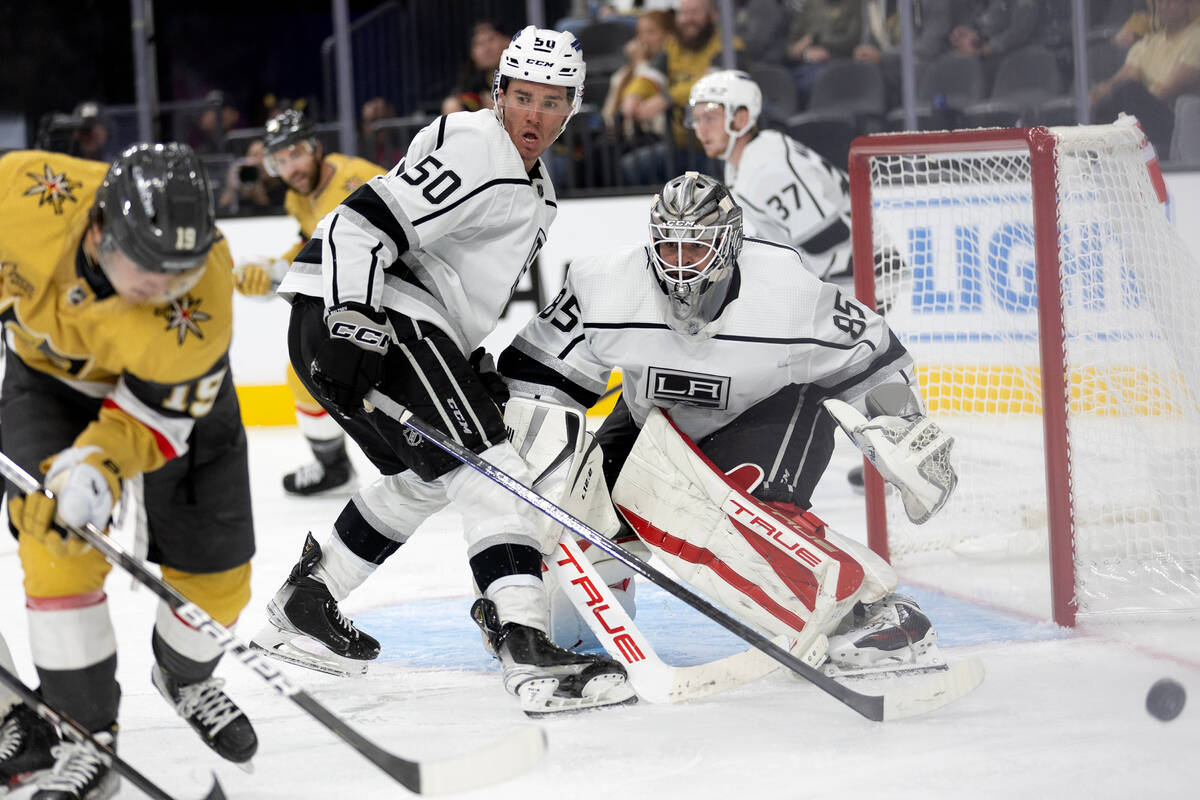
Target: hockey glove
[
  {"x": 252, "y": 280},
  {"x": 912, "y": 453},
  {"x": 485, "y": 368},
  {"x": 349, "y": 363},
  {"x": 85, "y": 484}
]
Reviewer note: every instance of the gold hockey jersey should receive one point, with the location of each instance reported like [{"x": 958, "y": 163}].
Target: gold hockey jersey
[
  {"x": 157, "y": 368},
  {"x": 348, "y": 174}
]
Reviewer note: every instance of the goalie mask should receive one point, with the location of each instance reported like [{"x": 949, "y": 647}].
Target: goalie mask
[
  {"x": 730, "y": 90},
  {"x": 544, "y": 56},
  {"x": 155, "y": 209},
  {"x": 695, "y": 235}
]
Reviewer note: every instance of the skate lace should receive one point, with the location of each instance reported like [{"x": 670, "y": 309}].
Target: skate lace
[
  {"x": 310, "y": 474},
  {"x": 207, "y": 703},
  {"x": 75, "y": 765},
  {"x": 343, "y": 622},
  {"x": 11, "y": 737}
]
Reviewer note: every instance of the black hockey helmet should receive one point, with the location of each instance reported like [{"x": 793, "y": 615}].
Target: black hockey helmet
[
  {"x": 286, "y": 129},
  {"x": 155, "y": 205}
]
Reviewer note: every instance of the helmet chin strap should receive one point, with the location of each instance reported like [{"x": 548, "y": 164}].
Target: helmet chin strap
[{"x": 733, "y": 136}]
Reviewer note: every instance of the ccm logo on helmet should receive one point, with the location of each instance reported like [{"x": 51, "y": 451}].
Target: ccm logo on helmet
[
  {"x": 537, "y": 63},
  {"x": 369, "y": 337}
]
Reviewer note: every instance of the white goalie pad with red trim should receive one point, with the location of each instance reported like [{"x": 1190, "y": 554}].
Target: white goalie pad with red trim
[{"x": 783, "y": 572}]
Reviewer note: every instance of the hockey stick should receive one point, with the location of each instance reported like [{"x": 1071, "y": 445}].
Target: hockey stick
[
  {"x": 517, "y": 753},
  {"x": 652, "y": 678},
  {"x": 905, "y": 701},
  {"x": 80, "y": 735}
]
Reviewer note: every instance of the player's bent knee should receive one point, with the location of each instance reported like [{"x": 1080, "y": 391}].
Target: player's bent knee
[
  {"x": 222, "y": 595},
  {"x": 48, "y": 576}
]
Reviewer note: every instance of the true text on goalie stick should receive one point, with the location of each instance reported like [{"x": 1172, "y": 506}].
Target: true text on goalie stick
[{"x": 904, "y": 702}]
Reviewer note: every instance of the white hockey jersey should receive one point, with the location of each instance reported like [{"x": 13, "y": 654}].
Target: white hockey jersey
[
  {"x": 782, "y": 326},
  {"x": 443, "y": 237},
  {"x": 789, "y": 194}
]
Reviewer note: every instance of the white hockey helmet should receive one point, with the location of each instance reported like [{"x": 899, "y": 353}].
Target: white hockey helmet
[
  {"x": 543, "y": 56},
  {"x": 694, "y": 209},
  {"x": 731, "y": 89}
]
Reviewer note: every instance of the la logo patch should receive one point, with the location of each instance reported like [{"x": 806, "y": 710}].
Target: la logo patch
[
  {"x": 184, "y": 316},
  {"x": 53, "y": 188}
]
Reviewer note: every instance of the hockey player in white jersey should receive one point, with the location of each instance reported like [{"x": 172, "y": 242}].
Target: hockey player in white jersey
[
  {"x": 744, "y": 351},
  {"x": 396, "y": 287},
  {"x": 787, "y": 192}
]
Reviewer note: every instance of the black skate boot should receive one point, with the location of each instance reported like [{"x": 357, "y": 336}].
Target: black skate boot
[
  {"x": 320, "y": 477},
  {"x": 79, "y": 772},
  {"x": 891, "y": 635},
  {"x": 547, "y": 678},
  {"x": 303, "y": 612},
  {"x": 217, "y": 719},
  {"x": 25, "y": 743}
]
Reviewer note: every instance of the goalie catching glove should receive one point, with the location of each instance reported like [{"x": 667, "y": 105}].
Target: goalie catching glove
[
  {"x": 910, "y": 451},
  {"x": 82, "y": 486},
  {"x": 349, "y": 363}
]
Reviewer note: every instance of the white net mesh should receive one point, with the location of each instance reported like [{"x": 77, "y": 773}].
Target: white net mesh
[{"x": 954, "y": 238}]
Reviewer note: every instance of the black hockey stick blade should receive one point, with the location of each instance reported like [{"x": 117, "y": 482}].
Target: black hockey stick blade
[
  {"x": 81, "y": 735},
  {"x": 907, "y": 701},
  {"x": 508, "y": 757}
]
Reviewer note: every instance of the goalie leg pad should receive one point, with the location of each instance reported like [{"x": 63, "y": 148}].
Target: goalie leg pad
[{"x": 778, "y": 573}]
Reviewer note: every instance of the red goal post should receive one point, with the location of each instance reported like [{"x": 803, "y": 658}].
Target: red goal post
[{"x": 1037, "y": 281}]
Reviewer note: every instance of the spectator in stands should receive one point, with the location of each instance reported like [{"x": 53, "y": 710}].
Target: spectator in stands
[
  {"x": 691, "y": 51},
  {"x": 378, "y": 145},
  {"x": 1158, "y": 68},
  {"x": 762, "y": 25},
  {"x": 625, "y": 109},
  {"x": 248, "y": 189},
  {"x": 474, "y": 88},
  {"x": 932, "y": 22},
  {"x": 208, "y": 134},
  {"x": 1001, "y": 27},
  {"x": 1135, "y": 26},
  {"x": 821, "y": 30}
]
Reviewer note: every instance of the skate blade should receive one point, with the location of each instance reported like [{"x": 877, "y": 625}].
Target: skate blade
[
  {"x": 539, "y": 698},
  {"x": 270, "y": 642},
  {"x": 930, "y": 662},
  {"x": 245, "y": 766}
]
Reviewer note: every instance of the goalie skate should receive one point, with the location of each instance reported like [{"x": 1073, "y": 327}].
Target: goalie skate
[
  {"x": 889, "y": 637},
  {"x": 546, "y": 678}
]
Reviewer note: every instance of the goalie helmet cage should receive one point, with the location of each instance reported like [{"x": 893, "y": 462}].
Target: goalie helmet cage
[{"x": 1035, "y": 277}]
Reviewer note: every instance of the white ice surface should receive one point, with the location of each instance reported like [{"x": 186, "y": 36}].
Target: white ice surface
[{"x": 1061, "y": 714}]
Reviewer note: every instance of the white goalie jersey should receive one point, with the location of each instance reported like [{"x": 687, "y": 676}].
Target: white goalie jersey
[
  {"x": 781, "y": 326},
  {"x": 790, "y": 194},
  {"x": 442, "y": 237}
]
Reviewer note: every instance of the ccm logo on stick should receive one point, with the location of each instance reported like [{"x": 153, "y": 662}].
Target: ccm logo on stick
[{"x": 624, "y": 642}]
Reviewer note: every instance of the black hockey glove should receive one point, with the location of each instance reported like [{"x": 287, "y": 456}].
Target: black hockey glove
[
  {"x": 350, "y": 362},
  {"x": 485, "y": 368}
]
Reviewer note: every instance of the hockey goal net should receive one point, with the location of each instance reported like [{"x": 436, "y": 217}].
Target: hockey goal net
[{"x": 1036, "y": 279}]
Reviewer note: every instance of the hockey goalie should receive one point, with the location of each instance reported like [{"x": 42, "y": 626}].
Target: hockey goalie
[{"x": 737, "y": 363}]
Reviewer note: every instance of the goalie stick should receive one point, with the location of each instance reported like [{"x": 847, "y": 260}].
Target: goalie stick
[
  {"x": 80, "y": 735},
  {"x": 652, "y": 678},
  {"x": 907, "y": 700},
  {"x": 481, "y": 767}
]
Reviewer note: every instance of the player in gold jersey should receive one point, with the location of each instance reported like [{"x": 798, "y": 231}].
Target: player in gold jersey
[
  {"x": 116, "y": 295},
  {"x": 317, "y": 182}
]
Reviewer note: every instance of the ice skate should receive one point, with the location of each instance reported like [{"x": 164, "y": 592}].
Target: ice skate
[
  {"x": 25, "y": 743},
  {"x": 887, "y": 637},
  {"x": 217, "y": 719},
  {"x": 547, "y": 678},
  {"x": 305, "y": 627},
  {"x": 317, "y": 478},
  {"x": 79, "y": 772}
]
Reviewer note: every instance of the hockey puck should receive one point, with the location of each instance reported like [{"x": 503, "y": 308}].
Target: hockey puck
[{"x": 1165, "y": 699}]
